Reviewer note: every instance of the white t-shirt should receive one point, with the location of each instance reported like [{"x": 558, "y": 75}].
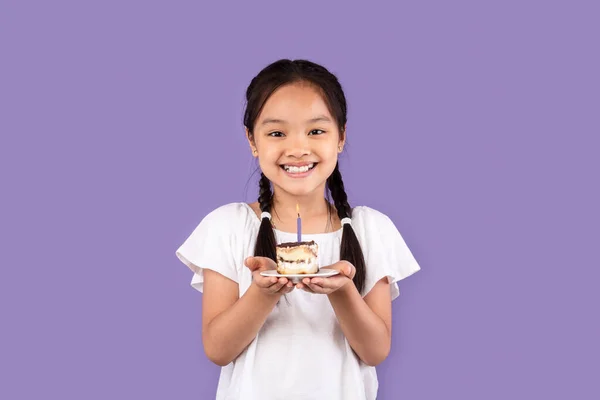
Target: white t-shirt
[{"x": 300, "y": 352}]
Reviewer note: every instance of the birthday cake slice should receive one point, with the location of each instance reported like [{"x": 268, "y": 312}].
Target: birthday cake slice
[{"x": 297, "y": 258}]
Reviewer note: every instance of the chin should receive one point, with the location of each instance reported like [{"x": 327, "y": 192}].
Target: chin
[
  {"x": 298, "y": 191},
  {"x": 299, "y": 187}
]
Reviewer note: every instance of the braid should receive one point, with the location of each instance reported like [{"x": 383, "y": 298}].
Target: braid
[
  {"x": 265, "y": 196},
  {"x": 265, "y": 241},
  {"x": 266, "y": 244},
  {"x": 338, "y": 194},
  {"x": 350, "y": 247}
]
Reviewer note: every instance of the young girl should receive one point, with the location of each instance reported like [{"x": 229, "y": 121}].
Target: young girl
[{"x": 321, "y": 338}]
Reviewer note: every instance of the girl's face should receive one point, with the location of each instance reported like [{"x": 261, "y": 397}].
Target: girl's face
[{"x": 296, "y": 140}]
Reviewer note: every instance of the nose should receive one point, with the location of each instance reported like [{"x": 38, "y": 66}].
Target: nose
[{"x": 298, "y": 146}]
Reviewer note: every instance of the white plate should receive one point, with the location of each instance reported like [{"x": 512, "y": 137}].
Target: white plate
[{"x": 296, "y": 278}]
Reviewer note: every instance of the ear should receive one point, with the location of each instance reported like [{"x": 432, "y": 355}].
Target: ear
[
  {"x": 251, "y": 142},
  {"x": 342, "y": 140}
]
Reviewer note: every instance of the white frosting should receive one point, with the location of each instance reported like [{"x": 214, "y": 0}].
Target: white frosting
[{"x": 285, "y": 267}]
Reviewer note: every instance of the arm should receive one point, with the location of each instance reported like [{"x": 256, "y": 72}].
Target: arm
[
  {"x": 366, "y": 323},
  {"x": 230, "y": 322}
]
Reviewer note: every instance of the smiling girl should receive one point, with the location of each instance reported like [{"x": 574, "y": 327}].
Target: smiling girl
[{"x": 326, "y": 339}]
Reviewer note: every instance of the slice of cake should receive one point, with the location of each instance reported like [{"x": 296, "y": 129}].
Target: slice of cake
[{"x": 297, "y": 258}]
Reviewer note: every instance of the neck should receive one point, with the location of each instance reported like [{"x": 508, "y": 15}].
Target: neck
[{"x": 311, "y": 204}]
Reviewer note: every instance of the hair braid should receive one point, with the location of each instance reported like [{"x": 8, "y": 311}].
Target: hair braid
[
  {"x": 265, "y": 196},
  {"x": 350, "y": 247},
  {"x": 338, "y": 194},
  {"x": 265, "y": 242}
]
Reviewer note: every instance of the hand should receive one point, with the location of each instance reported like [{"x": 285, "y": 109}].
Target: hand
[
  {"x": 270, "y": 285},
  {"x": 330, "y": 284}
]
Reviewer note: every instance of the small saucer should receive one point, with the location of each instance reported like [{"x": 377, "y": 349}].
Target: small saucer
[{"x": 297, "y": 278}]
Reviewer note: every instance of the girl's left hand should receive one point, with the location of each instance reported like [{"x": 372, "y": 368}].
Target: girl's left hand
[{"x": 330, "y": 284}]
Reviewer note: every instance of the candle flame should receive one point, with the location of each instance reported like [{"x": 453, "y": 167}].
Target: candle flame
[{"x": 298, "y": 209}]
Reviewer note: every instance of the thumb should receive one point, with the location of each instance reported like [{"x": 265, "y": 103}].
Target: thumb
[
  {"x": 257, "y": 263},
  {"x": 253, "y": 263},
  {"x": 347, "y": 269}
]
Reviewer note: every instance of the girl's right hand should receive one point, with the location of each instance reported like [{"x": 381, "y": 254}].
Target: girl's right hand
[{"x": 268, "y": 284}]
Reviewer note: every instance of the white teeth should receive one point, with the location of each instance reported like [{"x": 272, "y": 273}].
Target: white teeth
[{"x": 297, "y": 170}]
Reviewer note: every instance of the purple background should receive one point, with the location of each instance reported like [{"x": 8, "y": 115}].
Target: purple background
[{"x": 474, "y": 125}]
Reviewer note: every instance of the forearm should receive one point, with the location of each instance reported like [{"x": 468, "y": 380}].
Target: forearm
[
  {"x": 366, "y": 332},
  {"x": 230, "y": 332}
]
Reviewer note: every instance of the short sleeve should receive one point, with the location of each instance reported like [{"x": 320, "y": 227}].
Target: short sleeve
[
  {"x": 385, "y": 251},
  {"x": 211, "y": 246}
]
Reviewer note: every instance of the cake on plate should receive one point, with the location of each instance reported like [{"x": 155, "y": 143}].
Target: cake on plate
[{"x": 297, "y": 258}]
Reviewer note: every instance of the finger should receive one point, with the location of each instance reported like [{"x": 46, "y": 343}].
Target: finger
[
  {"x": 259, "y": 263},
  {"x": 316, "y": 284},
  {"x": 288, "y": 287},
  {"x": 275, "y": 288},
  {"x": 347, "y": 269},
  {"x": 315, "y": 288},
  {"x": 328, "y": 285},
  {"x": 264, "y": 281},
  {"x": 284, "y": 281},
  {"x": 253, "y": 263},
  {"x": 278, "y": 285},
  {"x": 303, "y": 286}
]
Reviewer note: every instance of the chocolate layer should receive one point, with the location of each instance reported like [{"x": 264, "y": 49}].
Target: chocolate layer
[{"x": 295, "y": 244}]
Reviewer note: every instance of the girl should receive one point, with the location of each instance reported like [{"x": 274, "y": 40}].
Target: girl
[{"x": 325, "y": 340}]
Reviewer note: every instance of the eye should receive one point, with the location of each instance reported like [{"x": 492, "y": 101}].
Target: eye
[
  {"x": 316, "y": 132},
  {"x": 276, "y": 134}
]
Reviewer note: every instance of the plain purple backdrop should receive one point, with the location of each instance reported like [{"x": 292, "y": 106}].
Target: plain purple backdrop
[{"x": 474, "y": 125}]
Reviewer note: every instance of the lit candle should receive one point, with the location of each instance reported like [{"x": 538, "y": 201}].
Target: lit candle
[{"x": 299, "y": 223}]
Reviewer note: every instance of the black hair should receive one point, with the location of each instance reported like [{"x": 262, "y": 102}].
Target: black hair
[{"x": 262, "y": 86}]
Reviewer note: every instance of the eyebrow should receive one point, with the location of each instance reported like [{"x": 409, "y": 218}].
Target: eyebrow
[{"x": 320, "y": 118}]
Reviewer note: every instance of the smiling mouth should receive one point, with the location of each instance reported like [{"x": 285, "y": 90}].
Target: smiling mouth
[{"x": 298, "y": 170}]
